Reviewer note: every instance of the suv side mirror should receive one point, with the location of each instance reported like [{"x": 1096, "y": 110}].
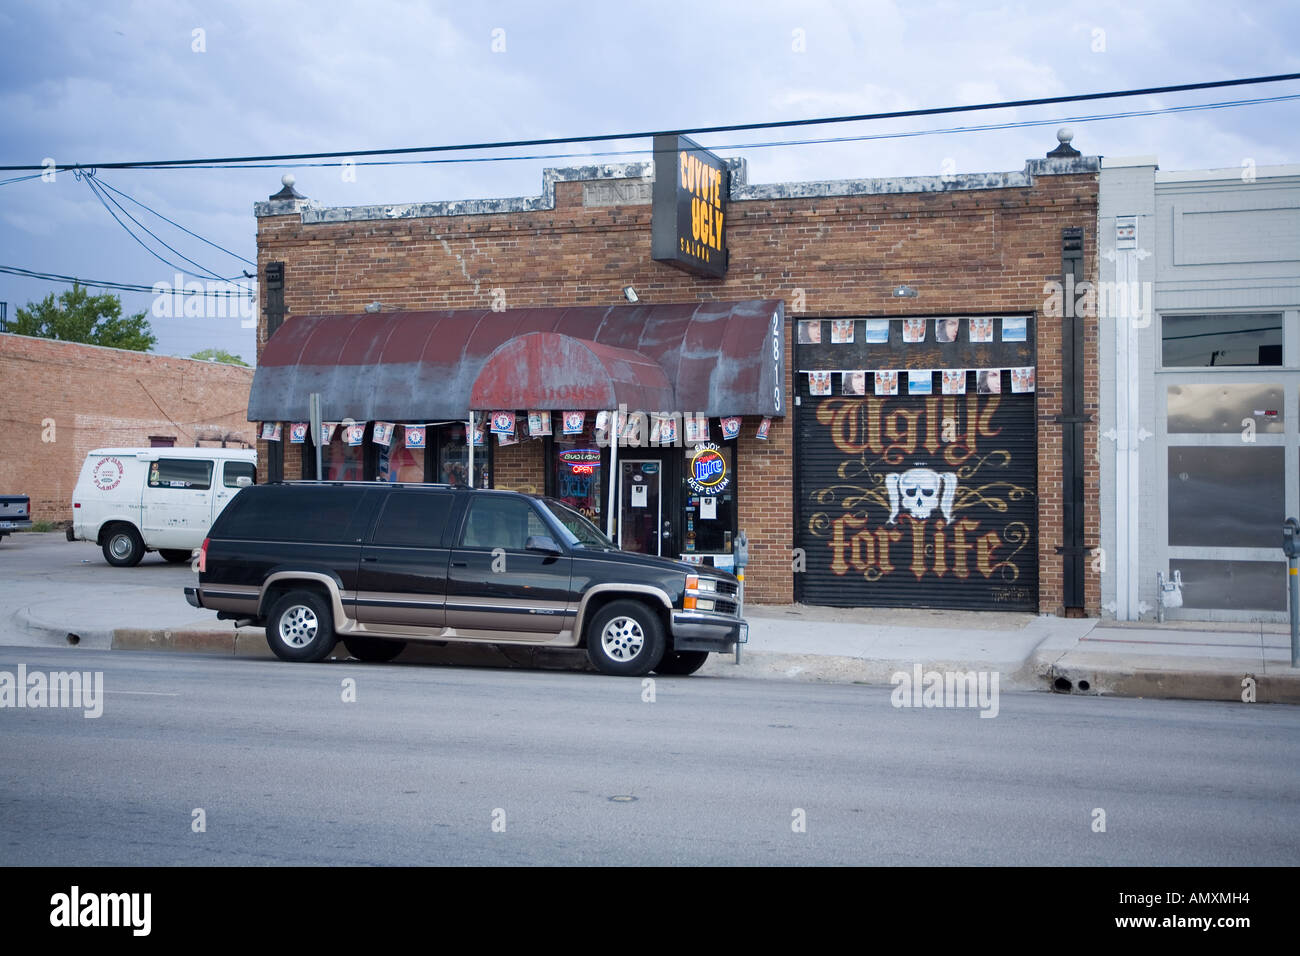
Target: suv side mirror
[{"x": 543, "y": 543}]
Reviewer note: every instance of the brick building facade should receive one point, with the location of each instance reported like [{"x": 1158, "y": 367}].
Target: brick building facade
[
  {"x": 966, "y": 244},
  {"x": 64, "y": 399}
]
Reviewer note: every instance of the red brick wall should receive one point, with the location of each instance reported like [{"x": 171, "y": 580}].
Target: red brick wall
[
  {"x": 964, "y": 251},
  {"x": 62, "y": 400}
]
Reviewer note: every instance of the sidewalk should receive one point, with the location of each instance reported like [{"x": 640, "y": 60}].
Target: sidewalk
[{"x": 792, "y": 642}]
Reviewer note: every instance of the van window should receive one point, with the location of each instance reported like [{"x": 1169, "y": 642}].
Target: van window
[
  {"x": 187, "y": 473},
  {"x": 236, "y": 470}
]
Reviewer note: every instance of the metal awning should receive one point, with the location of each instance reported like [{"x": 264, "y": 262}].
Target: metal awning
[{"x": 715, "y": 358}]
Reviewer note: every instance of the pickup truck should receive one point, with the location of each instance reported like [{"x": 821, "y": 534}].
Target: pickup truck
[
  {"x": 377, "y": 565},
  {"x": 15, "y": 513}
]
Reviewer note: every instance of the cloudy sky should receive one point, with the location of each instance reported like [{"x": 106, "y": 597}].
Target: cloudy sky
[{"x": 111, "y": 81}]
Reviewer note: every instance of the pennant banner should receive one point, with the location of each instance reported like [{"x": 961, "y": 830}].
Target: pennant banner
[
  {"x": 988, "y": 381},
  {"x": 574, "y": 422},
  {"x": 954, "y": 381},
  {"x": 298, "y": 432},
  {"x": 853, "y": 383},
  {"x": 270, "y": 431},
  {"x": 841, "y": 331},
  {"x": 920, "y": 382},
  {"x": 819, "y": 383},
  {"x": 1022, "y": 379},
  {"x": 914, "y": 330},
  {"x": 730, "y": 427},
  {"x": 764, "y": 427},
  {"x": 668, "y": 430},
  {"x": 981, "y": 330},
  {"x": 354, "y": 434},
  {"x": 877, "y": 331},
  {"x": 382, "y": 434},
  {"x": 414, "y": 436},
  {"x": 480, "y": 433},
  {"x": 503, "y": 423},
  {"x": 327, "y": 432},
  {"x": 887, "y": 383}
]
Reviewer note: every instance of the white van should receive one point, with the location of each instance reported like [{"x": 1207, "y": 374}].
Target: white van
[{"x": 133, "y": 500}]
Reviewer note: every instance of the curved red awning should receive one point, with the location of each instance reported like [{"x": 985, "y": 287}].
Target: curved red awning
[
  {"x": 713, "y": 358},
  {"x": 549, "y": 370}
]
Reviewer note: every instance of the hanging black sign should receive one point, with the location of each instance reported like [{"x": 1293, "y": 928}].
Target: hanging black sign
[{"x": 689, "y": 211}]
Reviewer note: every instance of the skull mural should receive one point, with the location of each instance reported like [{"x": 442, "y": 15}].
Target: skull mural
[{"x": 920, "y": 490}]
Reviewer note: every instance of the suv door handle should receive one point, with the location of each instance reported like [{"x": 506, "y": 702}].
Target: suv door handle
[
  {"x": 460, "y": 564},
  {"x": 369, "y": 559}
]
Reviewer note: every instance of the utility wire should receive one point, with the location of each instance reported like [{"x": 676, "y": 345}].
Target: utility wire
[
  {"x": 119, "y": 192},
  {"x": 105, "y": 199},
  {"x": 238, "y": 293},
  {"x": 730, "y": 128}
]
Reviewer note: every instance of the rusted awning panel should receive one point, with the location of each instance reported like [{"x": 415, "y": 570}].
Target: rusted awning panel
[{"x": 717, "y": 358}]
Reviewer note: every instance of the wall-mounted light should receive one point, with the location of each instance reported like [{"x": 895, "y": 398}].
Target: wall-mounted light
[
  {"x": 629, "y": 293},
  {"x": 905, "y": 292}
]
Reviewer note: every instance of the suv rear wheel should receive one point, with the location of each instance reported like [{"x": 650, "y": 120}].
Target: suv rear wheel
[
  {"x": 625, "y": 638},
  {"x": 175, "y": 556},
  {"x": 300, "y": 627},
  {"x": 123, "y": 546}
]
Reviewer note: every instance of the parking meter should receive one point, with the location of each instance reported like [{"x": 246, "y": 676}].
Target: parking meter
[
  {"x": 1291, "y": 538},
  {"x": 742, "y": 551},
  {"x": 1291, "y": 547}
]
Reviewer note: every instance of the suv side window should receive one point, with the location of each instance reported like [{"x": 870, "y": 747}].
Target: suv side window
[
  {"x": 501, "y": 523},
  {"x": 187, "y": 473},
  {"x": 413, "y": 519},
  {"x": 238, "y": 469}
]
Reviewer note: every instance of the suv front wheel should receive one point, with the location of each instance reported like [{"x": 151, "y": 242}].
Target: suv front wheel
[
  {"x": 300, "y": 627},
  {"x": 625, "y": 638}
]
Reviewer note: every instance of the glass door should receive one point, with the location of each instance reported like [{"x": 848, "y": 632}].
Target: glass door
[{"x": 640, "y": 511}]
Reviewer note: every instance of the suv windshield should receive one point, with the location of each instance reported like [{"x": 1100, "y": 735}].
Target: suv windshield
[{"x": 578, "y": 530}]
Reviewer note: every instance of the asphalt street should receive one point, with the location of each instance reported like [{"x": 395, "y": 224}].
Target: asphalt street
[{"x": 441, "y": 765}]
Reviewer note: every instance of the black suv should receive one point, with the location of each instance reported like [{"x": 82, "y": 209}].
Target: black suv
[{"x": 377, "y": 565}]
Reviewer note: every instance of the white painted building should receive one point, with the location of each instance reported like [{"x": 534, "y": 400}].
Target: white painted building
[{"x": 1199, "y": 388}]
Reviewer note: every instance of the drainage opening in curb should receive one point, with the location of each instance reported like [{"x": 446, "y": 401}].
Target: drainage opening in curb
[
  {"x": 1061, "y": 685},
  {"x": 74, "y": 639},
  {"x": 1084, "y": 685}
]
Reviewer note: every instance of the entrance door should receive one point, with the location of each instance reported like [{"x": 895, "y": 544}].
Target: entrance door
[{"x": 640, "y": 509}]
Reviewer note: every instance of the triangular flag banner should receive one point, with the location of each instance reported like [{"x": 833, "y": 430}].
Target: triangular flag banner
[
  {"x": 382, "y": 434},
  {"x": 355, "y": 434},
  {"x": 574, "y": 422},
  {"x": 327, "y": 432},
  {"x": 764, "y": 427},
  {"x": 298, "y": 432},
  {"x": 270, "y": 431},
  {"x": 503, "y": 423},
  {"x": 730, "y": 427},
  {"x": 668, "y": 430},
  {"x": 415, "y": 436}
]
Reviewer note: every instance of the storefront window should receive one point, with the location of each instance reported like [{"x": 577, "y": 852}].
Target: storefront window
[
  {"x": 578, "y": 475},
  {"x": 709, "y": 494},
  {"x": 341, "y": 461},
  {"x": 399, "y": 463},
  {"x": 453, "y": 458},
  {"x": 1221, "y": 339}
]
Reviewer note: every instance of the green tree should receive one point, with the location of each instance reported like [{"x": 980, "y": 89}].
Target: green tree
[
  {"x": 78, "y": 316},
  {"x": 218, "y": 355}
]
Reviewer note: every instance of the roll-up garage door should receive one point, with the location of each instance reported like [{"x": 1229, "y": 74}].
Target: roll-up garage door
[{"x": 916, "y": 500}]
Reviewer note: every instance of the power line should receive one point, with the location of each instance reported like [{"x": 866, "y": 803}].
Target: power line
[
  {"x": 124, "y": 286},
  {"x": 176, "y": 224},
  {"x": 99, "y": 194},
  {"x": 700, "y": 130}
]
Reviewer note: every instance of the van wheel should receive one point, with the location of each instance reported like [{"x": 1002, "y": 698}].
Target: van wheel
[
  {"x": 300, "y": 627},
  {"x": 372, "y": 649},
  {"x": 175, "y": 556},
  {"x": 626, "y": 639},
  {"x": 681, "y": 663},
  {"x": 123, "y": 546}
]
